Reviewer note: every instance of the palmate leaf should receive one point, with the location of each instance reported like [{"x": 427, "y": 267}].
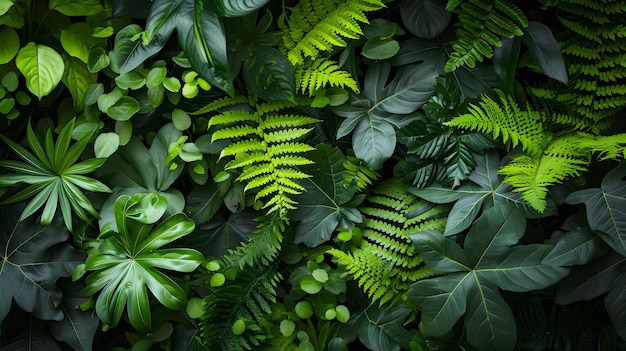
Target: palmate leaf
[
  {"x": 54, "y": 176},
  {"x": 606, "y": 207},
  {"x": 490, "y": 262},
  {"x": 32, "y": 259},
  {"x": 129, "y": 262}
]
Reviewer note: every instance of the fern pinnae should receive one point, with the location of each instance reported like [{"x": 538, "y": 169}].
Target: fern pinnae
[{"x": 221, "y": 103}]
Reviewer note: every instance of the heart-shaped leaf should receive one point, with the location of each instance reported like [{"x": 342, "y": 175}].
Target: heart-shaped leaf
[{"x": 42, "y": 67}]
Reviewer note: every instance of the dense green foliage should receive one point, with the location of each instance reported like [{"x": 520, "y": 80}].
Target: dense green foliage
[{"x": 312, "y": 175}]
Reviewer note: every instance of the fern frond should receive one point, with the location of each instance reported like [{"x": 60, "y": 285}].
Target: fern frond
[
  {"x": 221, "y": 103},
  {"x": 320, "y": 73},
  {"x": 480, "y": 26},
  {"x": 247, "y": 298},
  {"x": 263, "y": 247},
  {"x": 266, "y": 149},
  {"x": 386, "y": 263},
  {"x": 593, "y": 45},
  {"x": 507, "y": 121},
  {"x": 533, "y": 175},
  {"x": 357, "y": 172},
  {"x": 313, "y": 27}
]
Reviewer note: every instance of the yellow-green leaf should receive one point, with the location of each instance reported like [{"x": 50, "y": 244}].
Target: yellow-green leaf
[
  {"x": 10, "y": 43},
  {"x": 42, "y": 67}
]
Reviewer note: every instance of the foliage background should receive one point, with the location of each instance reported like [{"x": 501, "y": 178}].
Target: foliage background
[{"x": 312, "y": 175}]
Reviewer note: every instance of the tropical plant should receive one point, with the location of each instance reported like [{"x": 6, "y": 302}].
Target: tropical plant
[
  {"x": 54, "y": 176},
  {"x": 125, "y": 261},
  {"x": 312, "y": 175}
]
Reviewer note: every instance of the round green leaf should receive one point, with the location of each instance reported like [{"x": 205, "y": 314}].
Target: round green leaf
[
  {"x": 189, "y": 152},
  {"x": 343, "y": 314},
  {"x": 304, "y": 309},
  {"x": 10, "y": 81},
  {"x": 239, "y": 327},
  {"x": 218, "y": 279},
  {"x": 221, "y": 177},
  {"x": 181, "y": 119},
  {"x": 380, "y": 49},
  {"x": 172, "y": 84},
  {"x": 42, "y": 67},
  {"x": 123, "y": 109},
  {"x": 425, "y": 19},
  {"x": 330, "y": 314},
  {"x": 310, "y": 285},
  {"x": 287, "y": 327},
  {"x": 213, "y": 266},
  {"x": 320, "y": 275},
  {"x": 194, "y": 308},
  {"x": 106, "y": 144},
  {"x": 9, "y": 45},
  {"x": 130, "y": 80},
  {"x": 155, "y": 76},
  {"x": 6, "y": 105}
]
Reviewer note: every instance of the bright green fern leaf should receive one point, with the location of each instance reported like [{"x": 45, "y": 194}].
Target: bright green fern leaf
[
  {"x": 313, "y": 27},
  {"x": 507, "y": 121},
  {"x": 320, "y": 73},
  {"x": 386, "y": 262},
  {"x": 265, "y": 146}
]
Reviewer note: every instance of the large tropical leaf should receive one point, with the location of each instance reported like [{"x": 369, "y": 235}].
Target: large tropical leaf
[
  {"x": 129, "y": 52},
  {"x": 32, "y": 259},
  {"x": 269, "y": 74},
  {"x": 202, "y": 38},
  {"x": 237, "y": 8},
  {"x": 606, "y": 207},
  {"x": 129, "y": 262},
  {"x": 488, "y": 261},
  {"x": 325, "y": 203}
]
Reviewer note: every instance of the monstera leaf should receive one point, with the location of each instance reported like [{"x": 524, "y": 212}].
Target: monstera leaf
[
  {"x": 326, "y": 201},
  {"x": 32, "y": 258},
  {"x": 606, "y": 207},
  {"x": 372, "y": 117},
  {"x": 129, "y": 261},
  {"x": 473, "y": 275}
]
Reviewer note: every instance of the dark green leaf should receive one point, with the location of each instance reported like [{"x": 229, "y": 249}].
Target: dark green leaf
[
  {"x": 491, "y": 235},
  {"x": 591, "y": 280},
  {"x": 505, "y": 62},
  {"x": 373, "y": 141},
  {"x": 443, "y": 300},
  {"x": 489, "y": 321},
  {"x": 128, "y": 51},
  {"x": 218, "y": 236},
  {"x": 201, "y": 36},
  {"x": 204, "y": 201},
  {"x": 522, "y": 269},
  {"x": 545, "y": 50},
  {"x": 269, "y": 74},
  {"x": 78, "y": 327},
  {"x": 380, "y": 329},
  {"x": 408, "y": 91},
  {"x": 425, "y": 19},
  {"x": 439, "y": 253},
  {"x": 32, "y": 259},
  {"x": 238, "y": 8},
  {"x": 320, "y": 206},
  {"x": 380, "y": 49},
  {"x": 606, "y": 207},
  {"x": 615, "y": 303},
  {"x": 577, "y": 247}
]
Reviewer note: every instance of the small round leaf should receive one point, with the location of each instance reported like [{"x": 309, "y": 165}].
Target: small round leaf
[
  {"x": 218, "y": 279},
  {"x": 304, "y": 309},
  {"x": 310, "y": 285},
  {"x": 181, "y": 119},
  {"x": 194, "y": 307},
  {"x": 320, "y": 275},
  {"x": 239, "y": 327},
  {"x": 287, "y": 327}
]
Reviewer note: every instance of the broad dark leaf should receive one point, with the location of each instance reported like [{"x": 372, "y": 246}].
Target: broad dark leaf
[
  {"x": 203, "y": 202},
  {"x": 319, "y": 207},
  {"x": 373, "y": 141},
  {"x": 237, "y": 8},
  {"x": 201, "y": 36},
  {"x": 606, "y": 207},
  {"x": 132, "y": 9},
  {"x": 489, "y": 321},
  {"x": 505, "y": 60},
  {"x": 425, "y": 18},
  {"x": 380, "y": 329},
  {"x": 545, "y": 50},
  {"x": 34, "y": 337},
  {"x": 591, "y": 280},
  {"x": 219, "y": 235},
  {"x": 577, "y": 247},
  {"x": 78, "y": 327},
  {"x": 269, "y": 74},
  {"x": 615, "y": 303},
  {"x": 440, "y": 254},
  {"x": 129, "y": 51},
  {"x": 32, "y": 259}
]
